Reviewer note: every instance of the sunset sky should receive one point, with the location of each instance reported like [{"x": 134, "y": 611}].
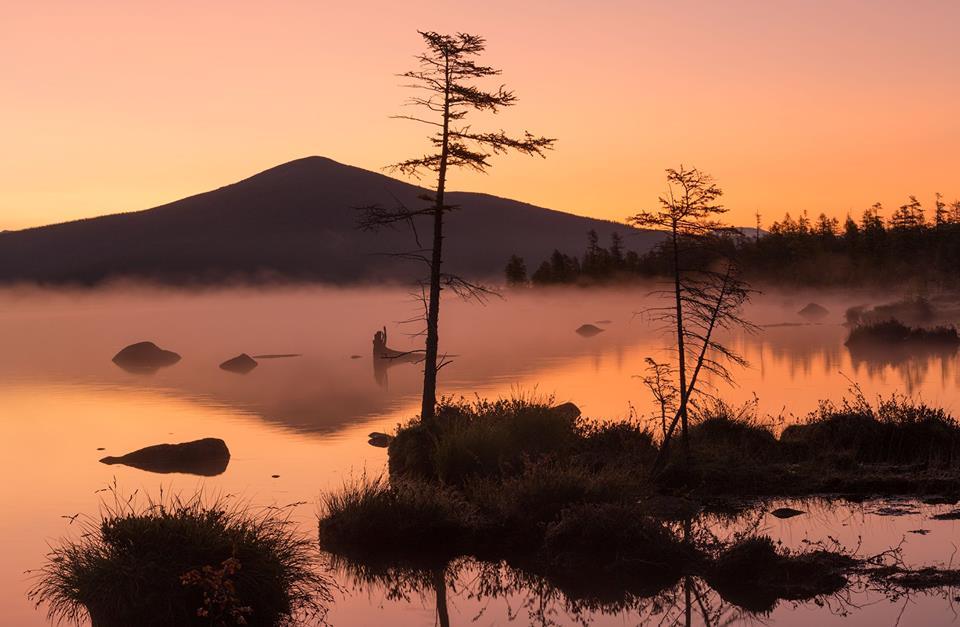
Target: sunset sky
[{"x": 792, "y": 105}]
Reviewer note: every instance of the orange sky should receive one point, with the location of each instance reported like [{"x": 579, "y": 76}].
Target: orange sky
[{"x": 804, "y": 104}]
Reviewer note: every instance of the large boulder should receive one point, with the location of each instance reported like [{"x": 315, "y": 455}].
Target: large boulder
[
  {"x": 241, "y": 364},
  {"x": 207, "y": 457},
  {"x": 145, "y": 358}
]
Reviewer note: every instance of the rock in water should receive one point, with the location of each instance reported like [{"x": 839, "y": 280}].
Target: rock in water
[
  {"x": 207, "y": 457},
  {"x": 241, "y": 364},
  {"x": 813, "y": 311},
  {"x": 588, "y": 330},
  {"x": 145, "y": 358},
  {"x": 786, "y": 512},
  {"x": 380, "y": 440}
]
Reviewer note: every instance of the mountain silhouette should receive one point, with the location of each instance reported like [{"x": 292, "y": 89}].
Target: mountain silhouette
[{"x": 297, "y": 222}]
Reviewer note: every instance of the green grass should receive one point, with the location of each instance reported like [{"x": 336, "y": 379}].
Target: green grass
[{"x": 184, "y": 561}]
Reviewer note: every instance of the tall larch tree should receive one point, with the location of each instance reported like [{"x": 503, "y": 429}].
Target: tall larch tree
[{"x": 448, "y": 84}]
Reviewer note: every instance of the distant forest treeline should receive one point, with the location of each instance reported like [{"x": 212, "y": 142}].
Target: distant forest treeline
[{"x": 908, "y": 247}]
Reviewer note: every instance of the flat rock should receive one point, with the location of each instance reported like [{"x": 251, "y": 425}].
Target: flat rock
[
  {"x": 241, "y": 364},
  {"x": 588, "y": 330},
  {"x": 953, "y": 514},
  {"x": 207, "y": 457},
  {"x": 145, "y": 358},
  {"x": 786, "y": 512}
]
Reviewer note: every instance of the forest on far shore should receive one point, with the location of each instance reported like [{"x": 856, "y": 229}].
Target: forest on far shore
[{"x": 908, "y": 247}]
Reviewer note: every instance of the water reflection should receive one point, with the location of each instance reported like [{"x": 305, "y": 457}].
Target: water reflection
[
  {"x": 297, "y": 426},
  {"x": 469, "y": 590},
  {"x": 524, "y": 341},
  {"x": 494, "y": 593}
]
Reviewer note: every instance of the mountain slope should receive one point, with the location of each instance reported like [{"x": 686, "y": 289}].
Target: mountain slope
[{"x": 295, "y": 221}]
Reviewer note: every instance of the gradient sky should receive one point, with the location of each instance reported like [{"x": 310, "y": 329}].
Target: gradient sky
[{"x": 791, "y": 105}]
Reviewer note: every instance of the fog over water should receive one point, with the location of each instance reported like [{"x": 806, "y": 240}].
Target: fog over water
[{"x": 305, "y": 418}]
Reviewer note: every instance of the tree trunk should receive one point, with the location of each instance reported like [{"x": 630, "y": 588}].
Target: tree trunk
[
  {"x": 428, "y": 407},
  {"x": 440, "y": 588},
  {"x": 681, "y": 350},
  {"x": 429, "y": 404}
]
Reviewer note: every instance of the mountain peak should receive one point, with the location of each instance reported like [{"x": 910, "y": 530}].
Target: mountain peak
[{"x": 295, "y": 221}]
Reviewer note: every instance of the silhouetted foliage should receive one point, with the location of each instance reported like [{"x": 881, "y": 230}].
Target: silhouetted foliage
[
  {"x": 516, "y": 271},
  {"x": 706, "y": 293},
  {"x": 596, "y": 265},
  {"x": 905, "y": 248}
]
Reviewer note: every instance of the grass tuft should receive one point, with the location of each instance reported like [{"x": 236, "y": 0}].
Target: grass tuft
[{"x": 184, "y": 561}]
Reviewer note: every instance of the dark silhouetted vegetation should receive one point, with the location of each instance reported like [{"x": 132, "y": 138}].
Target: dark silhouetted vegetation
[
  {"x": 906, "y": 249},
  {"x": 701, "y": 299},
  {"x": 894, "y": 332},
  {"x": 184, "y": 562},
  {"x": 542, "y": 487}
]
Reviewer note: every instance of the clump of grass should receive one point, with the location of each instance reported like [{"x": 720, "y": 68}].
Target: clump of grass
[
  {"x": 516, "y": 510},
  {"x": 897, "y": 431},
  {"x": 732, "y": 449},
  {"x": 378, "y": 519},
  {"x": 721, "y": 428},
  {"x": 184, "y": 561},
  {"x": 481, "y": 438},
  {"x": 625, "y": 444}
]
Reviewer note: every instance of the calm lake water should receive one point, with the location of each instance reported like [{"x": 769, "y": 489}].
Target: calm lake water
[{"x": 305, "y": 419}]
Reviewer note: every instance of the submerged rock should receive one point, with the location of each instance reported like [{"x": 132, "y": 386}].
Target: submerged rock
[
  {"x": 241, "y": 364},
  {"x": 145, "y": 358},
  {"x": 786, "y": 512},
  {"x": 814, "y": 311},
  {"x": 589, "y": 330},
  {"x": 207, "y": 457}
]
